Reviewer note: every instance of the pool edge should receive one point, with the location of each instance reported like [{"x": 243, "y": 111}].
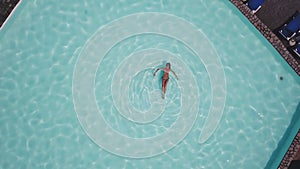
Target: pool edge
[
  {"x": 291, "y": 152},
  {"x": 289, "y": 145},
  {"x": 268, "y": 34},
  {"x": 10, "y": 13}
]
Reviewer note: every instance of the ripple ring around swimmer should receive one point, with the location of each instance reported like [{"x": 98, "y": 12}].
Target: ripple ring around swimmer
[
  {"x": 91, "y": 119},
  {"x": 145, "y": 59}
]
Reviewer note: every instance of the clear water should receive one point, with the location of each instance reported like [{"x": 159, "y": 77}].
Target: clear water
[{"x": 77, "y": 89}]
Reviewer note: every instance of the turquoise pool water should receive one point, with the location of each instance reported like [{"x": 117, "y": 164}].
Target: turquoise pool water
[{"x": 77, "y": 89}]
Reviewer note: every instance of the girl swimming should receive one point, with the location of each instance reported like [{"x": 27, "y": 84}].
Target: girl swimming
[{"x": 165, "y": 77}]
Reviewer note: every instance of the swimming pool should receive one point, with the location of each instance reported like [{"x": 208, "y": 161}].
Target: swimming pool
[{"x": 77, "y": 89}]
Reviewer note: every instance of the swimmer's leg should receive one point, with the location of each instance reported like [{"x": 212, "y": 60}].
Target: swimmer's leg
[{"x": 164, "y": 87}]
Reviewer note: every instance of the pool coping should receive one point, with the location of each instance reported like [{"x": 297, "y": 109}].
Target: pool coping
[{"x": 268, "y": 34}]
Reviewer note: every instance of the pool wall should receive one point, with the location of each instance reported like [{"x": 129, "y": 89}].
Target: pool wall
[{"x": 288, "y": 145}]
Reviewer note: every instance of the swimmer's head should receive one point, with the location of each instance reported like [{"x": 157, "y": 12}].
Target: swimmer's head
[{"x": 168, "y": 65}]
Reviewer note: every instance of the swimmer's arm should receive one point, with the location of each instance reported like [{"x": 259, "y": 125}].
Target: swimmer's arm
[
  {"x": 174, "y": 74},
  {"x": 157, "y": 70}
]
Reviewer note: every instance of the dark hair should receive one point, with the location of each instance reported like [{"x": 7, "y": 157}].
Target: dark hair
[{"x": 168, "y": 64}]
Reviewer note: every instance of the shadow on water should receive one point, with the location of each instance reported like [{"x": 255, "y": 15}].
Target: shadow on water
[{"x": 289, "y": 134}]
